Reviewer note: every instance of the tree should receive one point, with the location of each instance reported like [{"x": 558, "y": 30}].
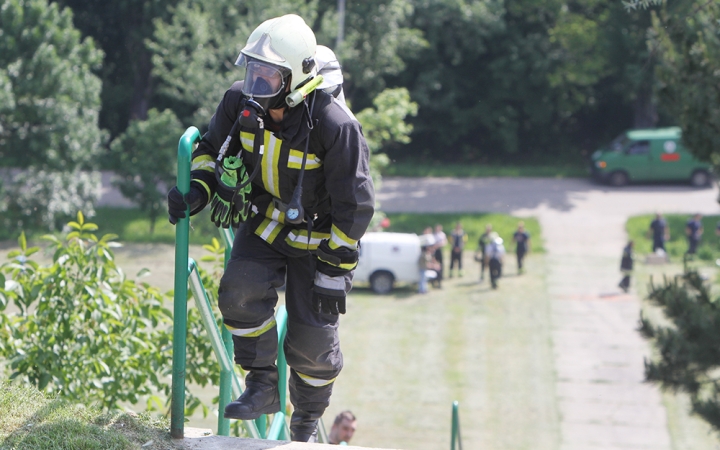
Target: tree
[
  {"x": 377, "y": 44},
  {"x": 49, "y": 112},
  {"x": 194, "y": 51},
  {"x": 688, "y": 344},
  {"x": 385, "y": 125},
  {"x": 145, "y": 161},
  {"x": 120, "y": 28},
  {"x": 687, "y": 44}
]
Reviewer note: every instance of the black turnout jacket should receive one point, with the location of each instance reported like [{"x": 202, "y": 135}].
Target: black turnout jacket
[{"x": 338, "y": 193}]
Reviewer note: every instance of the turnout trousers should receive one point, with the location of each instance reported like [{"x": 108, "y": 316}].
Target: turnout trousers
[
  {"x": 247, "y": 298},
  {"x": 495, "y": 268}
]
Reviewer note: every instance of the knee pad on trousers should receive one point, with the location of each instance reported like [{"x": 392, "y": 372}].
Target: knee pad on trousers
[
  {"x": 246, "y": 293},
  {"x": 314, "y": 351}
]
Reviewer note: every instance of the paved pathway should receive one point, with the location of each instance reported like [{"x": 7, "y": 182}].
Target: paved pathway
[{"x": 602, "y": 399}]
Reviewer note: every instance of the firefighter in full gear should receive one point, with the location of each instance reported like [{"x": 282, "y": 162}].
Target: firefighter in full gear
[{"x": 295, "y": 180}]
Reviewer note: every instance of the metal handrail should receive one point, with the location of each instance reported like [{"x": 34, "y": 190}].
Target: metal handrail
[
  {"x": 186, "y": 268},
  {"x": 455, "y": 437},
  {"x": 182, "y": 248}
]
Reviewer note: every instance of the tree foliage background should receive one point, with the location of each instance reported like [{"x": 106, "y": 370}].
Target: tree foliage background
[
  {"x": 686, "y": 38},
  {"x": 494, "y": 81},
  {"x": 49, "y": 106}
]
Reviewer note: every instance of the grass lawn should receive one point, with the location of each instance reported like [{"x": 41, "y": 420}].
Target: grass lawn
[
  {"x": 472, "y": 223},
  {"x": 409, "y": 356},
  {"x": 708, "y": 250},
  {"x": 132, "y": 226},
  {"x": 31, "y": 420},
  {"x": 415, "y": 169}
]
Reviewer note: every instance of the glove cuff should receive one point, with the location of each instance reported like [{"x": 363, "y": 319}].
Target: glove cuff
[
  {"x": 199, "y": 200},
  {"x": 328, "y": 285},
  {"x": 335, "y": 262}
]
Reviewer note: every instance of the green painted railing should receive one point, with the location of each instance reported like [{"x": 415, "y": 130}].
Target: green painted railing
[
  {"x": 455, "y": 437},
  {"x": 220, "y": 338}
]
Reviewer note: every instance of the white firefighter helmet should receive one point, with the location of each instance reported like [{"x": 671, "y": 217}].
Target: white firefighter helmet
[
  {"x": 285, "y": 43},
  {"x": 329, "y": 67}
]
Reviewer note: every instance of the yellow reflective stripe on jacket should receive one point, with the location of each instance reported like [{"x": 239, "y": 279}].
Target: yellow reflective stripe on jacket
[
  {"x": 203, "y": 162},
  {"x": 247, "y": 140},
  {"x": 312, "y": 381},
  {"x": 270, "y": 164},
  {"x": 339, "y": 239},
  {"x": 295, "y": 160},
  {"x": 299, "y": 239},
  {"x": 268, "y": 230},
  {"x": 252, "y": 332},
  {"x": 274, "y": 213}
]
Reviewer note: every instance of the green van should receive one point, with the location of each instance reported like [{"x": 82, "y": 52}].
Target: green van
[{"x": 648, "y": 155}]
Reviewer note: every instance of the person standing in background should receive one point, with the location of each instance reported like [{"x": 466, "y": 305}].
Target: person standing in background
[
  {"x": 626, "y": 266},
  {"x": 495, "y": 255},
  {"x": 458, "y": 238},
  {"x": 522, "y": 245},
  {"x": 660, "y": 232},
  {"x": 482, "y": 245},
  {"x": 440, "y": 242},
  {"x": 694, "y": 231}
]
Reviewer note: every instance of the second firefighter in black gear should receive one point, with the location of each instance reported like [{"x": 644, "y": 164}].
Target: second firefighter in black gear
[{"x": 320, "y": 142}]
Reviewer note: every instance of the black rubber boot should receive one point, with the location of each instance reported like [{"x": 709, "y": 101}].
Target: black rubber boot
[
  {"x": 261, "y": 395},
  {"x": 303, "y": 426}
]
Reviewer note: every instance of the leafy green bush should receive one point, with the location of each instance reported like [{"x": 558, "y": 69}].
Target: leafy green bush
[{"x": 89, "y": 333}]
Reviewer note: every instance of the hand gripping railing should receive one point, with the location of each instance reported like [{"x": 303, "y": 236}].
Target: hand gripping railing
[{"x": 221, "y": 340}]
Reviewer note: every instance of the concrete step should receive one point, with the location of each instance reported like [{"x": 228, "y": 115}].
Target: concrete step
[{"x": 203, "y": 439}]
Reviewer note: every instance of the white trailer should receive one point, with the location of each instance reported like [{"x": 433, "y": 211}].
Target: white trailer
[{"x": 388, "y": 258}]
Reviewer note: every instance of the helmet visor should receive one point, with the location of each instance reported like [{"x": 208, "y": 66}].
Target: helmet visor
[{"x": 262, "y": 79}]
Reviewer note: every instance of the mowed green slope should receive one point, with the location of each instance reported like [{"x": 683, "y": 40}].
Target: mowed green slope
[{"x": 409, "y": 356}]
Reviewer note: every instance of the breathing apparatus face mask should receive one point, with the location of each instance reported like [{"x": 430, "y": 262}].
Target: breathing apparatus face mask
[{"x": 265, "y": 86}]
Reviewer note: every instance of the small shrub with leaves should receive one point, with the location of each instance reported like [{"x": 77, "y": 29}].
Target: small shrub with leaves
[{"x": 88, "y": 332}]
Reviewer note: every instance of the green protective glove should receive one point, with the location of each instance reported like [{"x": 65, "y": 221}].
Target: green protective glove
[{"x": 229, "y": 206}]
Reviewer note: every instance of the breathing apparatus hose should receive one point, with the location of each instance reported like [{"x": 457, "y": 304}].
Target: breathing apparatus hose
[{"x": 295, "y": 212}]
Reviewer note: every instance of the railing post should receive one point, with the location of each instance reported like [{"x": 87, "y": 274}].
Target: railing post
[
  {"x": 281, "y": 318},
  {"x": 455, "y": 436},
  {"x": 225, "y": 376},
  {"x": 182, "y": 237}
]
